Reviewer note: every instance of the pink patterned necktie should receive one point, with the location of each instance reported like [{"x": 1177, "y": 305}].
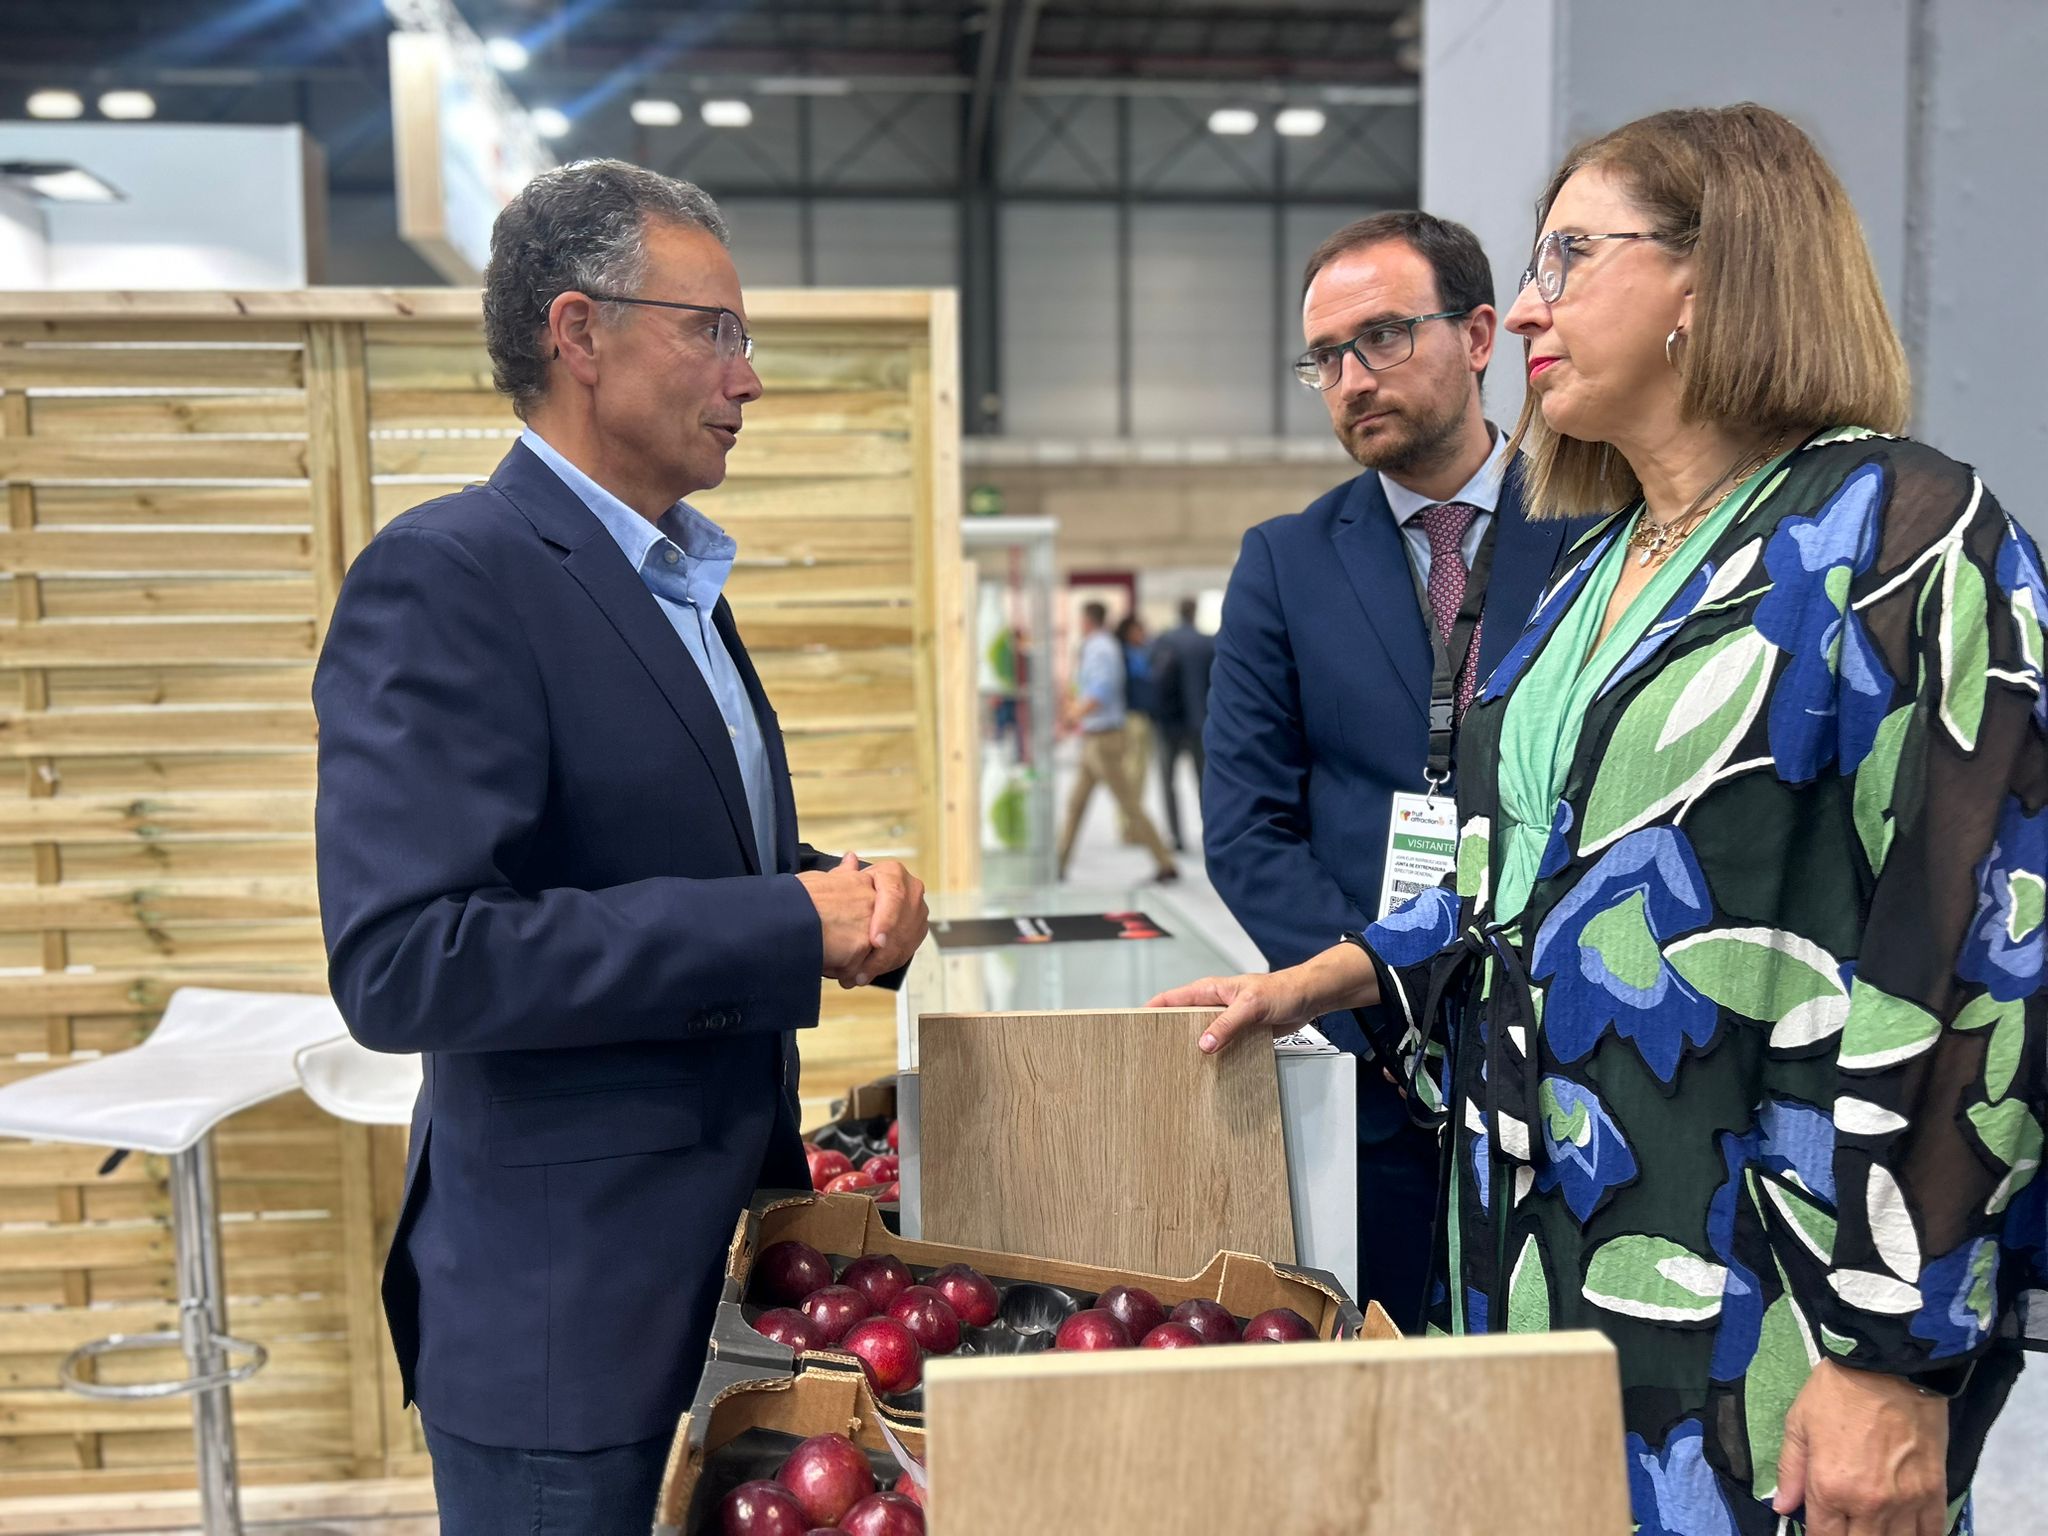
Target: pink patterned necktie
[{"x": 1445, "y": 524}]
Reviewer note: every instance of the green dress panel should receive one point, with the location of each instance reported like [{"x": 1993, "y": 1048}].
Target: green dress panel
[{"x": 1734, "y": 1020}]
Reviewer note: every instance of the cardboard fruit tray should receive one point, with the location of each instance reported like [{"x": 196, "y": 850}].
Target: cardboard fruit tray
[
  {"x": 1036, "y": 1295},
  {"x": 859, "y": 1126},
  {"x": 743, "y": 1425}
]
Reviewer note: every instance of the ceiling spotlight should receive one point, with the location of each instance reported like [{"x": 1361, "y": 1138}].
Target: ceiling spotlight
[
  {"x": 1233, "y": 121},
  {"x": 128, "y": 106},
  {"x": 550, "y": 122},
  {"x": 58, "y": 181},
  {"x": 657, "y": 114},
  {"x": 55, "y": 104},
  {"x": 1299, "y": 122},
  {"x": 506, "y": 53},
  {"x": 721, "y": 113}
]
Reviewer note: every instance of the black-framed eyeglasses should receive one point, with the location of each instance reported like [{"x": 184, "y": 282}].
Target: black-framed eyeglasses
[
  {"x": 732, "y": 338},
  {"x": 1383, "y": 344},
  {"x": 1553, "y": 261}
]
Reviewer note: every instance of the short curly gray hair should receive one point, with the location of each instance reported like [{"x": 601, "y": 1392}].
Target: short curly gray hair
[{"x": 579, "y": 228}]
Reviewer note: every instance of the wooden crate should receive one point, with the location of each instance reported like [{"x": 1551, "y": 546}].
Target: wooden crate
[{"x": 186, "y": 478}]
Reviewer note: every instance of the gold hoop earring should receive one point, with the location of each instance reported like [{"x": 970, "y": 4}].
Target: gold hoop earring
[{"x": 1671, "y": 347}]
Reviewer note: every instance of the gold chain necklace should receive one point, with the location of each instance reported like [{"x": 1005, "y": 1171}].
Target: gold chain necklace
[{"x": 1658, "y": 541}]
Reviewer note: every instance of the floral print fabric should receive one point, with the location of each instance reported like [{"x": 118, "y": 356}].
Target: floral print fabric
[{"x": 1755, "y": 1077}]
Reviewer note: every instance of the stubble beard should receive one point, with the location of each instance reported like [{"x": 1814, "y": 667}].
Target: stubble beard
[{"x": 1419, "y": 444}]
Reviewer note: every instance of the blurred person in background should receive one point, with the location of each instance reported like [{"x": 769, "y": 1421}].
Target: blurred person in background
[
  {"x": 1354, "y": 634},
  {"x": 1097, "y": 712},
  {"x": 1140, "y": 703},
  {"x": 1181, "y": 659},
  {"x": 1732, "y": 1016}
]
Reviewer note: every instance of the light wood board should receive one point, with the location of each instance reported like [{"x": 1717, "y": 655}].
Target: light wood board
[
  {"x": 1104, "y": 1138},
  {"x": 1513, "y": 1433}
]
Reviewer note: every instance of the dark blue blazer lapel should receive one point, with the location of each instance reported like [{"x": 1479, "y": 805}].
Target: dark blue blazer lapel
[
  {"x": 771, "y": 736},
  {"x": 1374, "y": 557},
  {"x": 1524, "y": 554},
  {"x": 596, "y": 563}
]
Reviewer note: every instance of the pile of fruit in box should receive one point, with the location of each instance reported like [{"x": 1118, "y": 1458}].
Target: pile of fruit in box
[
  {"x": 854, "y": 1158},
  {"x": 827, "y": 1486},
  {"x": 890, "y": 1316}
]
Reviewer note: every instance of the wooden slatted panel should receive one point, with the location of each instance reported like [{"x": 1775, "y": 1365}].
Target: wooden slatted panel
[
  {"x": 186, "y": 478},
  {"x": 163, "y": 607}
]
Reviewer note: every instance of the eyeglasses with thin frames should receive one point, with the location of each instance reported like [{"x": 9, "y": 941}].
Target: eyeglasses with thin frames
[
  {"x": 1382, "y": 345},
  {"x": 732, "y": 339},
  {"x": 1553, "y": 261}
]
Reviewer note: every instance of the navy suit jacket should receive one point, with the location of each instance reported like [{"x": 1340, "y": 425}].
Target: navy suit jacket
[
  {"x": 1319, "y": 714},
  {"x": 537, "y": 868}
]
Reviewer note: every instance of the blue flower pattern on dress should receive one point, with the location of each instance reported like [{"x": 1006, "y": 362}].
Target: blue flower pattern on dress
[
  {"x": 1959, "y": 1298},
  {"x": 1542, "y": 621},
  {"x": 1796, "y": 1142},
  {"x": 1585, "y": 1153},
  {"x": 1600, "y": 949},
  {"x": 1557, "y": 853},
  {"x": 2019, "y": 570},
  {"x": 1416, "y": 929},
  {"x": 1835, "y": 689},
  {"x": 1673, "y": 1491},
  {"x": 2004, "y": 945}
]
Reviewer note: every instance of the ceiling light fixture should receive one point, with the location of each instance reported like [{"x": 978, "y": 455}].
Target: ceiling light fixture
[
  {"x": 55, "y": 103},
  {"x": 1233, "y": 122},
  {"x": 506, "y": 53},
  {"x": 654, "y": 113},
  {"x": 128, "y": 106},
  {"x": 550, "y": 122},
  {"x": 721, "y": 112},
  {"x": 1299, "y": 122}
]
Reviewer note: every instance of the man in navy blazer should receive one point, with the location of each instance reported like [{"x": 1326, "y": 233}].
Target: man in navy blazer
[
  {"x": 1320, "y": 695},
  {"x": 558, "y": 856}
]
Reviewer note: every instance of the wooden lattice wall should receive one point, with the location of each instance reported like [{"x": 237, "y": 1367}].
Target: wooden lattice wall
[{"x": 186, "y": 478}]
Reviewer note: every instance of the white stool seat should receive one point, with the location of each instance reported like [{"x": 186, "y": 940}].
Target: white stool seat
[
  {"x": 352, "y": 1082},
  {"x": 213, "y": 1054}
]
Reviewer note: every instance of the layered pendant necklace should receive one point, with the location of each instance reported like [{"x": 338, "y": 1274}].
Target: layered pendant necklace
[{"x": 1655, "y": 542}]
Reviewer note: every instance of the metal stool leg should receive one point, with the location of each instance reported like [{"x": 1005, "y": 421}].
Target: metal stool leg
[{"x": 202, "y": 1319}]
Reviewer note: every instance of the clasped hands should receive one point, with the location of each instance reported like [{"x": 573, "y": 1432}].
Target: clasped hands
[{"x": 873, "y": 919}]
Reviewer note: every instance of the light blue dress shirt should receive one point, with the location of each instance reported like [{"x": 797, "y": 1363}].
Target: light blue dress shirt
[
  {"x": 684, "y": 560},
  {"x": 1481, "y": 491},
  {"x": 1102, "y": 679}
]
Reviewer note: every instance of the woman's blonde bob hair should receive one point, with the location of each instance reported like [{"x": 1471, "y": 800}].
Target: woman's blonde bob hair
[{"x": 1789, "y": 324}]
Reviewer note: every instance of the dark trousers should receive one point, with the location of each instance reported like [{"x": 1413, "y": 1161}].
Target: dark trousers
[
  {"x": 1397, "y": 1193},
  {"x": 1176, "y": 741},
  {"x": 489, "y": 1490}
]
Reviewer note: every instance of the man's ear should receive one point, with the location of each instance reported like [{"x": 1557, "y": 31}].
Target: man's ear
[
  {"x": 1482, "y": 329},
  {"x": 573, "y": 335}
]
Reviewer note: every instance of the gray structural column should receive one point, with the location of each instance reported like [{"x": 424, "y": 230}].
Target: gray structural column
[{"x": 1931, "y": 111}]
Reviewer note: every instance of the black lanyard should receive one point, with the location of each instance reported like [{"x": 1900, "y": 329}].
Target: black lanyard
[{"x": 1451, "y": 659}]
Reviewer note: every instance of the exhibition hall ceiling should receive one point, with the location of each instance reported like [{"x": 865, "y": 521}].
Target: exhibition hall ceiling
[{"x": 996, "y": 94}]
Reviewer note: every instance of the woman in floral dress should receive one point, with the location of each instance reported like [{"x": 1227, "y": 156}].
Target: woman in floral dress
[{"x": 1734, "y": 1019}]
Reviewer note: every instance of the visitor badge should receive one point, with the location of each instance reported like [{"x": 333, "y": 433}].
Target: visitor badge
[{"x": 1422, "y": 847}]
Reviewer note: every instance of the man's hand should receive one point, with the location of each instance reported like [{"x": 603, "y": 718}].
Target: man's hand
[
  {"x": 1867, "y": 1454},
  {"x": 900, "y": 920},
  {"x": 873, "y": 919},
  {"x": 845, "y": 899}
]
